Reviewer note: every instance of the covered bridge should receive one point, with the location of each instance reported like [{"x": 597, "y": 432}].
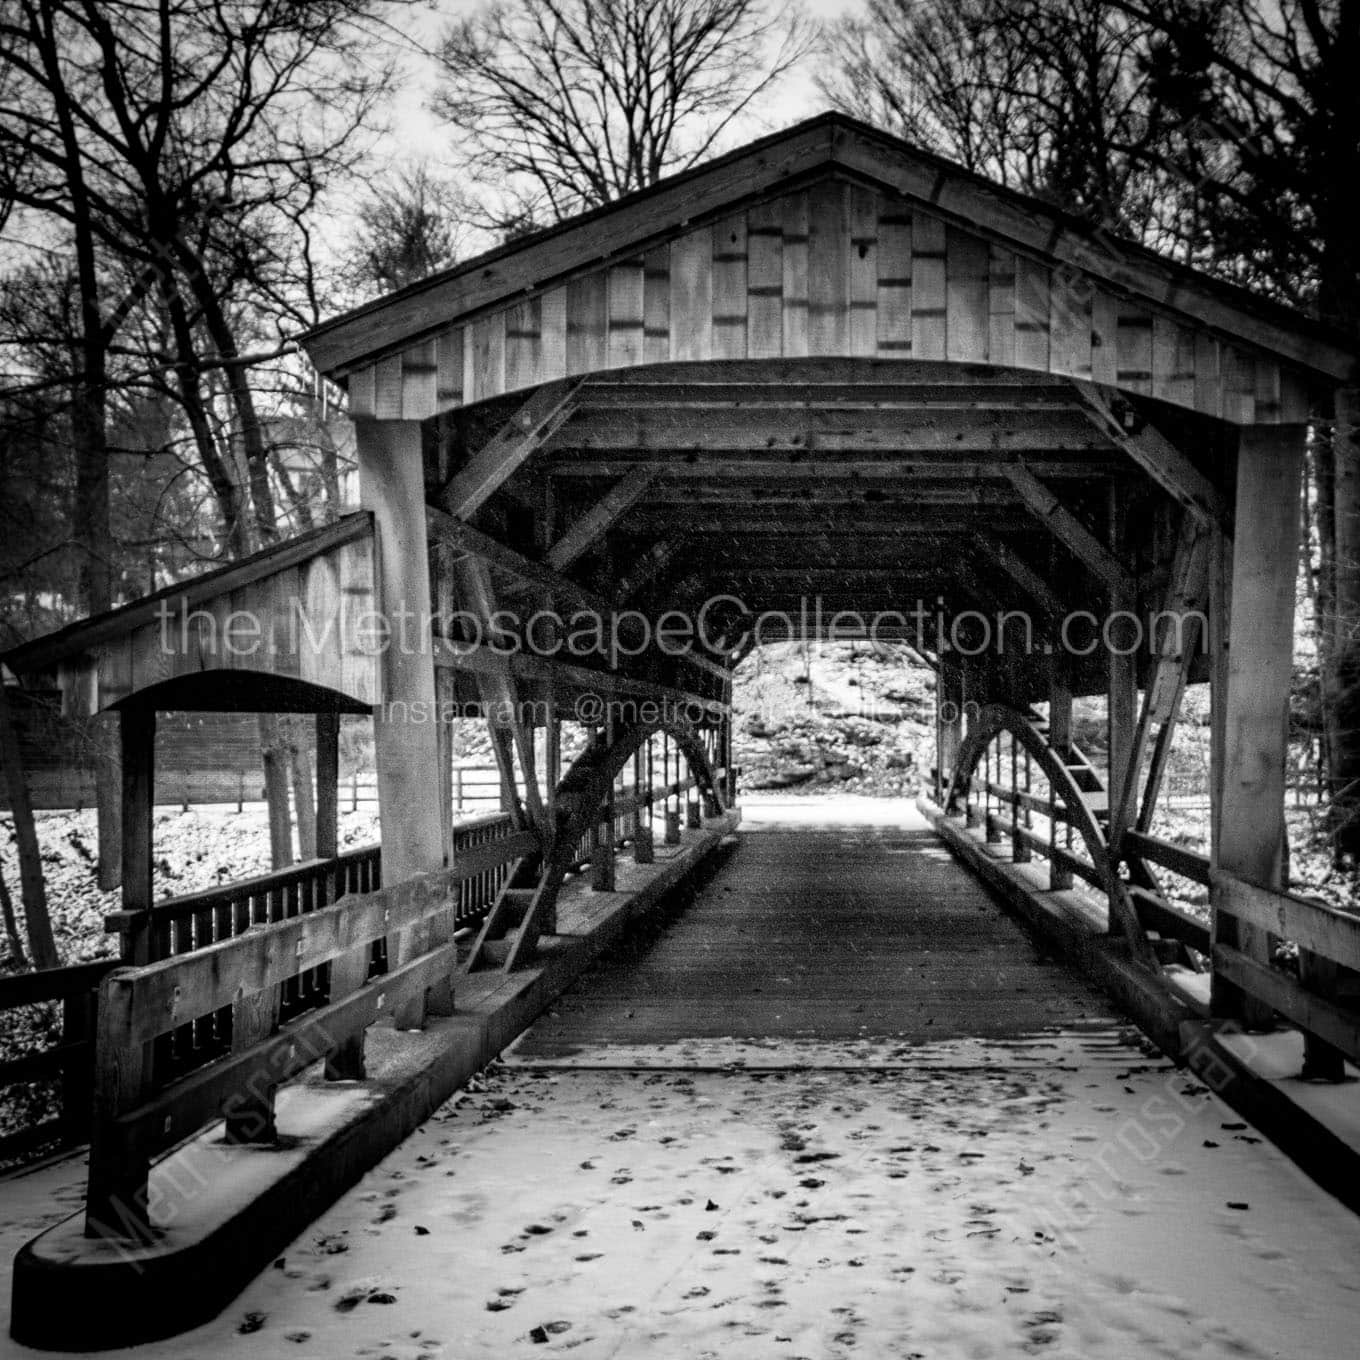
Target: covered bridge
[{"x": 825, "y": 386}]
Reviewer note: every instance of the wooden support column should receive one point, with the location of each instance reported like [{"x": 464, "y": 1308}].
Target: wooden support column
[
  {"x": 948, "y": 725},
  {"x": 1121, "y": 712},
  {"x": 327, "y": 786},
  {"x": 392, "y": 487},
  {"x": 644, "y": 851},
  {"x": 1060, "y": 739},
  {"x": 137, "y": 747},
  {"x": 602, "y": 842},
  {"x": 1250, "y": 839}
]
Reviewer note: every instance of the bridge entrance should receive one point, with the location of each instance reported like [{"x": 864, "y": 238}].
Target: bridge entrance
[{"x": 825, "y": 386}]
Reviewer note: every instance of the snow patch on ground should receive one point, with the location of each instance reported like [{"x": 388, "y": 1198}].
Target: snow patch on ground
[{"x": 1110, "y": 1210}]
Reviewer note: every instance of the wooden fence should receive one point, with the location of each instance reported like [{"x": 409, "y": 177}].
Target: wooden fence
[{"x": 233, "y": 977}]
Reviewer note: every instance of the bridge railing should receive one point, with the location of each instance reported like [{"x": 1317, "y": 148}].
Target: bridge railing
[
  {"x": 139, "y": 1114},
  {"x": 236, "y": 984},
  {"x": 1030, "y": 799},
  {"x": 70, "y": 1062},
  {"x": 1328, "y": 939},
  {"x": 1154, "y": 910}
]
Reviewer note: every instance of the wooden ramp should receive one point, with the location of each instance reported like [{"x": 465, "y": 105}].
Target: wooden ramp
[{"x": 825, "y": 933}]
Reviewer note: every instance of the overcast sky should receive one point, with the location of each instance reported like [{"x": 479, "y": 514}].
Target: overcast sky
[{"x": 417, "y": 132}]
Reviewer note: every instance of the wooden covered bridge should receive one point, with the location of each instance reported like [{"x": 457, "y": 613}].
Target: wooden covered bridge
[{"x": 826, "y": 386}]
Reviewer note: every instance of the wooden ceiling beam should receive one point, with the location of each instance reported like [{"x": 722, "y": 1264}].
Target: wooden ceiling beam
[
  {"x": 1006, "y": 560},
  {"x": 1069, "y": 530},
  {"x": 536, "y": 421},
  {"x": 586, "y": 531},
  {"x": 1125, "y": 427},
  {"x": 826, "y": 431},
  {"x": 749, "y": 467}
]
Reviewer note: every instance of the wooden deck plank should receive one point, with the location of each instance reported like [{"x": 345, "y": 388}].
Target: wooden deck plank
[{"x": 829, "y": 935}]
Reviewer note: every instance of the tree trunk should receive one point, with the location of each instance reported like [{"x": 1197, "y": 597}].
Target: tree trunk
[
  {"x": 16, "y": 941},
  {"x": 41, "y": 944},
  {"x": 304, "y": 796},
  {"x": 276, "y": 764}
]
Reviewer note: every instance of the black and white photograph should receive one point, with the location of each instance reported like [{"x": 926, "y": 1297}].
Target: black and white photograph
[{"x": 680, "y": 679}]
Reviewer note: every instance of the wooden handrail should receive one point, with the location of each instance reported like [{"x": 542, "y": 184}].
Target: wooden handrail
[
  {"x": 1175, "y": 858},
  {"x": 1313, "y": 926}
]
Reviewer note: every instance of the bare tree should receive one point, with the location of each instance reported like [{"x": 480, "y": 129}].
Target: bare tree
[
  {"x": 410, "y": 224},
  {"x": 561, "y": 105},
  {"x": 180, "y": 149},
  {"x": 1052, "y": 98}
]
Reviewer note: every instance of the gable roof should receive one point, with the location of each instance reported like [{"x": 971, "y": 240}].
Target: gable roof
[{"x": 830, "y": 143}]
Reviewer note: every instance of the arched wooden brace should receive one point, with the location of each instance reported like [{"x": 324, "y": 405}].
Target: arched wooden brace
[
  {"x": 527, "y": 903},
  {"x": 992, "y": 721}
]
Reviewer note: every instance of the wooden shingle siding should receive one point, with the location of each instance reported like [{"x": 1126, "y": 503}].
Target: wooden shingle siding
[
  {"x": 587, "y": 323},
  {"x": 729, "y": 288},
  {"x": 419, "y": 382},
  {"x": 486, "y": 357},
  {"x": 835, "y": 270},
  {"x": 1133, "y": 348},
  {"x": 656, "y": 305},
  {"x": 795, "y": 212},
  {"x": 449, "y": 363},
  {"x": 692, "y": 295},
  {"x": 627, "y": 337},
  {"x": 863, "y": 268},
  {"x": 893, "y": 322},
  {"x": 1001, "y": 306},
  {"x": 1070, "y": 326},
  {"x": 967, "y": 320},
  {"x": 929, "y": 302},
  {"x": 828, "y": 268},
  {"x": 1104, "y": 337},
  {"x": 764, "y": 282},
  {"x": 523, "y": 343}
]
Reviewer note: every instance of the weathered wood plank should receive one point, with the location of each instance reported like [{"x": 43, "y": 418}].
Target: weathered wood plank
[
  {"x": 691, "y": 295},
  {"x": 894, "y": 277},
  {"x": 863, "y": 263},
  {"x": 929, "y": 288},
  {"x": 968, "y": 319},
  {"x": 828, "y": 268},
  {"x": 1031, "y": 313},
  {"x": 656, "y": 304},
  {"x": 729, "y": 288},
  {"x": 764, "y": 281},
  {"x": 795, "y": 256},
  {"x": 587, "y": 323},
  {"x": 627, "y": 322}
]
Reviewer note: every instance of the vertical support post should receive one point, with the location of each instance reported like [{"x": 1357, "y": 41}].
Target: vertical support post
[
  {"x": 137, "y": 748},
  {"x": 948, "y": 725},
  {"x": 644, "y": 850},
  {"x": 1121, "y": 713},
  {"x": 602, "y": 845},
  {"x": 327, "y": 786},
  {"x": 1060, "y": 739},
  {"x": 1255, "y": 736},
  {"x": 392, "y": 486}
]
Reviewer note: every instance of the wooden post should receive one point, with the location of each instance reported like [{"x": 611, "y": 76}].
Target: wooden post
[
  {"x": 392, "y": 486},
  {"x": 137, "y": 747},
  {"x": 644, "y": 849},
  {"x": 1121, "y": 713},
  {"x": 602, "y": 845},
  {"x": 948, "y": 725},
  {"x": 1255, "y": 714},
  {"x": 1060, "y": 739}
]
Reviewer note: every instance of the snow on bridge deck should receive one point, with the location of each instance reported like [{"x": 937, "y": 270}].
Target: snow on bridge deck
[{"x": 637, "y": 1186}]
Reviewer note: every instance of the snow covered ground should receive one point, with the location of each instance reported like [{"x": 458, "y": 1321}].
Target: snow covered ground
[
  {"x": 1089, "y": 1204},
  {"x": 1067, "y": 1195}
]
